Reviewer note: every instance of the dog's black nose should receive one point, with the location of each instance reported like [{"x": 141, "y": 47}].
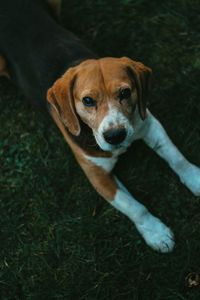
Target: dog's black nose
[{"x": 115, "y": 136}]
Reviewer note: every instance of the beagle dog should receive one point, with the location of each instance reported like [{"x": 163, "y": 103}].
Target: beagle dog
[{"x": 99, "y": 104}]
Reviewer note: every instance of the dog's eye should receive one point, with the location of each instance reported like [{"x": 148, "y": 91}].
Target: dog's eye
[
  {"x": 125, "y": 94},
  {"x": 88, "y": 101}
]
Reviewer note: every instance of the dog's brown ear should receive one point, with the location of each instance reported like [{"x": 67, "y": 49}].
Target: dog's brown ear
[
  {"x": 141, "y": 75},
  {"x": 60, "y": 96}
]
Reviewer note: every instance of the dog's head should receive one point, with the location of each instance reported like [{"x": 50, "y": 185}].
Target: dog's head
[{"x": 104, "y": 94}]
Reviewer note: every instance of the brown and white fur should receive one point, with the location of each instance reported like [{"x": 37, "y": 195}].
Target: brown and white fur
[{"x": 103, "y": 80}]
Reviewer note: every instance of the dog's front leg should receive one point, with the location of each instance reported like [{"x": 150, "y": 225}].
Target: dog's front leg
[
  {"x": 98, "y": 170},
  {"x": 155, "y": 136}
]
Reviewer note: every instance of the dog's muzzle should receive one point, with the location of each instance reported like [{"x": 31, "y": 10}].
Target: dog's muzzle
[{"x": 115, "y": 136}]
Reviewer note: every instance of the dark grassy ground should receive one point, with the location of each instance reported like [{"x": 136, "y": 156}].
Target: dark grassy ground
[{"x": 59, "y": 239}]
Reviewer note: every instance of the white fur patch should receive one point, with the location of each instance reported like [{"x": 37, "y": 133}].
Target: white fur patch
[
  {"x": 157, "y": 235},
  {"x": 107, "y": 163},
  {"x": 114, "y": 119},
  {"x": 156, "y": 137},
  {"x": 191, "y": 178}
]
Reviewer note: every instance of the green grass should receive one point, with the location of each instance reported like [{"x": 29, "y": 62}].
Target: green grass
[{"x": 58, "y": 238}]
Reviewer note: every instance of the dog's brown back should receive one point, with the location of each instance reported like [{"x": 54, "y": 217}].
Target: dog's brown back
[{"x": 37, "y": 49}]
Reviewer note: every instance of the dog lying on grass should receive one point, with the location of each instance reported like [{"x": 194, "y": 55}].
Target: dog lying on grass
[{"x": 99, "y": 104}]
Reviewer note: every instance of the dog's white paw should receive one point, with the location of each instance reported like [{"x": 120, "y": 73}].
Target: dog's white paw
[
  {"x": 191, "y": 178},
  {"x": 157, "y": 235}
]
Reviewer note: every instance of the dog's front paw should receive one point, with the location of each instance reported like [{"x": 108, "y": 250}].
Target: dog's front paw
[
  {"x": 191, "y": 178},
  {"x": 157, "y": 235}
]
